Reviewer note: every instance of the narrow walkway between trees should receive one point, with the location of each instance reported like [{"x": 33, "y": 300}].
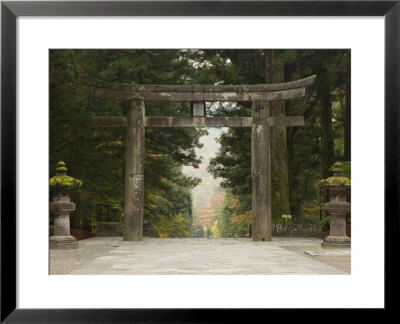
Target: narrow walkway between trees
[{"x": 198, "y": 256}]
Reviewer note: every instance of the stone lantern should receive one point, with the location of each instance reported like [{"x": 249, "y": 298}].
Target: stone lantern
[
  {"x": 337, "y": 207},
  {"x": 61, "y": 206}
]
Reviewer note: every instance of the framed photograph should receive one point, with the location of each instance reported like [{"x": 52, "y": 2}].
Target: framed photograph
[{"x": 30, "y": 30}]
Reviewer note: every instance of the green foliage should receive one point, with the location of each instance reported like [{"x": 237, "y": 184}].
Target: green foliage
[
  {"x": 97, "y": 155},
  {"x": 325, "y": 222},
  {"x": 312, "y": 212},
  {"x": 233, "y": 162},
  {"x": 233, "y": 218},
  {"x": 215, "y": 231},
  {"x": 173, "y": 226}
]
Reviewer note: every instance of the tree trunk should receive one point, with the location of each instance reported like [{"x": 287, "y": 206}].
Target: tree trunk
[
  {"x": 345, "y": 110},
  {"x": 347, "y": 123},
  {"x": 279, "y": 170},
  {"x": 327, "y": 141}
]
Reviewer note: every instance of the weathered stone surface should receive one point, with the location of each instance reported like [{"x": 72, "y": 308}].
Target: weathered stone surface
[
  {"x": 119, "y": 95},
  {"x": 289, "y": 121},
  {"x": 63, "y": 242},
  {"x": 134, "y": 173},
  {"x": 336, "y": 242},
  {"x": 61, "y": 224},
  {"x": 198, "y": 109},
  {"x": 156, "y": 121},
  {"x": 197, "y": 121},
  {"x": 260, "y": 162},
  {"x": 198, "y": 88}
]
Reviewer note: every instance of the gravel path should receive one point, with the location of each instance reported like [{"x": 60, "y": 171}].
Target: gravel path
[
  {"x": 338, "y": 258},
  {"x": 105, "y": 255},
  {"x": 65, "y": 261}
]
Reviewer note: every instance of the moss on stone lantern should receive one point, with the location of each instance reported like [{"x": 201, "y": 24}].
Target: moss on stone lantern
[
  {"x": 62, "y": 180},
  {"x": 338, "y": 180}
]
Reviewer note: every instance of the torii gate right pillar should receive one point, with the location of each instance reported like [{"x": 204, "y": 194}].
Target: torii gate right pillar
[
  {"x": 134, "y": 173},
  {"x": 260, "y": 171}
]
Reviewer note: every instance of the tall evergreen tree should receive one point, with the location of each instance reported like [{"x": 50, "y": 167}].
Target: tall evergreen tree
[{"x": 274, "y": 73}]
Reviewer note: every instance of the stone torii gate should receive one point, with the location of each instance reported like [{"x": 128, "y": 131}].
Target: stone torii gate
[{"x": 260, "y": 95}]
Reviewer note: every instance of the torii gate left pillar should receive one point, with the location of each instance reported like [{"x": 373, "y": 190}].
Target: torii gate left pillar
[{"x": 134, "y": 172}]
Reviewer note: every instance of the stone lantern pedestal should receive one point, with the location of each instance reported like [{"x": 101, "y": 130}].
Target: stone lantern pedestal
[
  {"x": 337, "y": 207},
  {"x": 61, "y": 207}
]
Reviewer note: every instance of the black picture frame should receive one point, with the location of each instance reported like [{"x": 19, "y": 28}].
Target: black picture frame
[{"x": 10, "y": 10}]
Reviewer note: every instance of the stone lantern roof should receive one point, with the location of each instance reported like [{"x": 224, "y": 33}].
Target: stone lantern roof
[
  {"x": 338, "y": 180},
  {"x": 61, "y": 180}
]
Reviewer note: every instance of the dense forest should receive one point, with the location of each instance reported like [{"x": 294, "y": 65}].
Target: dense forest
[{"x": 300, "y": 156}]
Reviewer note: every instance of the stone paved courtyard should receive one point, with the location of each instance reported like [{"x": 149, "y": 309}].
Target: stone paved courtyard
[{"x": 198, "y": 256}]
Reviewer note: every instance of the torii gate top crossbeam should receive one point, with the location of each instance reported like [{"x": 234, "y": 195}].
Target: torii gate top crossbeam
[{"x": 123, "y": 92}]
